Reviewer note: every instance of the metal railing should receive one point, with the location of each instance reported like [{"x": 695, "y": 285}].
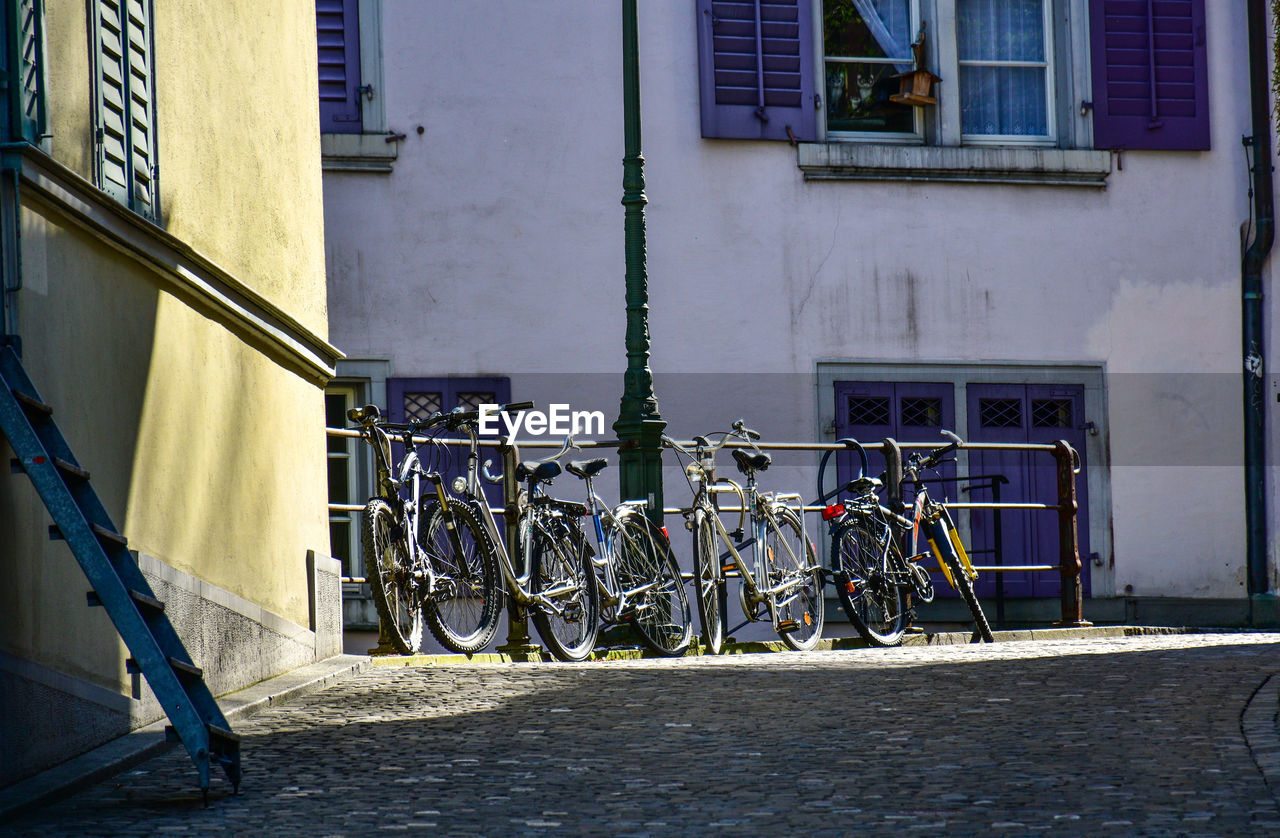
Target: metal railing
[{"x": 1066, "y": 459}]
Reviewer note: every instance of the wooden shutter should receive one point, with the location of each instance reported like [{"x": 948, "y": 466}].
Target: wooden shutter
[
  {"x": 141, "y": 108},
  {"x": 338, "y": 49},
  {"x": 755, "y": 65},
  {"x": 1150, "y": 74},
  {"x": 125, "y": 104},
  {"x": 28, "y": 104}
]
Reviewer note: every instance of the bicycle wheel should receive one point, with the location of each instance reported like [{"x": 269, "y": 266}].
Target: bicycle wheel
[
  {"x": 790, "y": 558},
  {"x": 871, "y": 597},
  {"x": 562, "y": 571},
  {"x": 711, "y": 588},
  {"x": 964, "y": 585},
  {"x": 464, "y": 607},
  {"x": 390, "y": 572},
  {"x": 644, "y": 560}
]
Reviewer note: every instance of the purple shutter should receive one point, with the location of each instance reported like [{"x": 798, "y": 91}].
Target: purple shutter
[
  {"x": 755, "y": 69},
  {"x": 1150, "y": 74},
  {"x": 338, "y": 47}
]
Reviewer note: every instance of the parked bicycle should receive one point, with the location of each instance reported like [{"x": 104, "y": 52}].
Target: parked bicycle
[
  {"x": 639, "y": 576},
  {"x": 875, "y": 582},
  {"x": 549, "y": 570},
  {"x": 783, "y": 582},
  {"x": 417, "y": 573},
  {"x": 871, "y": 575}
]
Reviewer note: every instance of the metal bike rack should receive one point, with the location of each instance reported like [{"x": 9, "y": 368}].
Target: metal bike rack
[{"x": 1067, "y": 462}]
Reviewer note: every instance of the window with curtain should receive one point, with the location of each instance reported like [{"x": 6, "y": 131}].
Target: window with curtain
[
  {"x": 866, "y": 43},
  {"x": 1004, "y": 47}
]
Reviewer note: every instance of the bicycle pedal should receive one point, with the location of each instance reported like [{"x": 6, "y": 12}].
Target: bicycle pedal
[{"x": 788, "y": 626}]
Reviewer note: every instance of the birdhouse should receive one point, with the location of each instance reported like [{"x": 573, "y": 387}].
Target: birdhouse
[{"x": 915, "y": 87}]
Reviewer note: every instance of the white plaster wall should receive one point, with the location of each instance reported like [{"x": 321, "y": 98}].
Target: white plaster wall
[{"x": 496, "y": 247}]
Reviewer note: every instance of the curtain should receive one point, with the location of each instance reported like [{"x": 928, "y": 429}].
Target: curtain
[
  {"x": 890, "y": 24},
  {"x": 1005, "y": 100}
]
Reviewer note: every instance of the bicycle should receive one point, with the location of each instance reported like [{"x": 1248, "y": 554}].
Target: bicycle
[
  {"x": 933, "y": 518},
  {"x": 787, "y": 581},
  {"x": 638, "y": 575},
  {"x": 874, "y": 580},
  {"x": 419, "y": 575},
  {"x": 554, "y": 578}
]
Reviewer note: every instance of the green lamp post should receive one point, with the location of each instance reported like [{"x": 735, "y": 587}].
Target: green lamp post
[{"x": 639, "y": 426}]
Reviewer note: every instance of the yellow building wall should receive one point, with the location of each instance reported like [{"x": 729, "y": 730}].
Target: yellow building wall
[{"x": 207, "y": 452}]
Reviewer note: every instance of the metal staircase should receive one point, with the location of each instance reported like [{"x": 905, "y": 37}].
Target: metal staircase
[{"x": 42, "y": 454}]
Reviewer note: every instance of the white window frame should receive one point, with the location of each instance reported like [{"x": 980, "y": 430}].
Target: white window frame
[
  {"x": 1068, "y": 81},
  {"x": 1052, "y": 71},
  {"x": 917, "y": 135}
]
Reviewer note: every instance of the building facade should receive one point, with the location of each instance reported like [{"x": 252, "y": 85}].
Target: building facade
[
  {"x": 163, "y": 276},
  {"x": 1045, "y": 245}
]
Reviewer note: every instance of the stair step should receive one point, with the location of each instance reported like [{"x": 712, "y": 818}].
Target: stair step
[
  {"x": 184, "y": 668},
  {"x": 32, "y": 404},
  {"x": 110, "y": 535},
  {"x": 221, "y": 733},
  {"x": 145, "y": 601},
  {"x": 71, "y": 469}
]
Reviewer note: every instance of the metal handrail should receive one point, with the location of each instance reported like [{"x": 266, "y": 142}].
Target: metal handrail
[{"x": 1067, "y": 507}]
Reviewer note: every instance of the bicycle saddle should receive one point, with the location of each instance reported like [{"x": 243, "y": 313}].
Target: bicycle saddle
[
  {"x": 587, "y": 468},
  {"x": 864, "y": 485},
  {"x": 751, "y": 462},
  {"x": 537, "y": 472}
]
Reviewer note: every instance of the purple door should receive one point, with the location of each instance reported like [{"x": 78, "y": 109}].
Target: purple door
[
  {"x": 1023, "y": 413},
  {"x": 869, "y": 411},
  {"x": 411, "y": 399}
]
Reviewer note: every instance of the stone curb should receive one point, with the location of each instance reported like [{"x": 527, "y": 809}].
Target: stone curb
[
  {"x": 955, "y": 638},
  {"x": 127, "y": 751}
]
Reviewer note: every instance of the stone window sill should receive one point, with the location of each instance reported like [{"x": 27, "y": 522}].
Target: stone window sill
[
  {"x": 357, "y": 152},
  {"x": 954, "y": 164}
]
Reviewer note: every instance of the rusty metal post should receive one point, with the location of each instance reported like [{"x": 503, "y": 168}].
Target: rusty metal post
[
  {"x": 1069, "y": 538},
  {"x": 518, "y": 645}
]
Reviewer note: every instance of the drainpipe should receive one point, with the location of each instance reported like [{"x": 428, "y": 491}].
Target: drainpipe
[{"x": 1255, "y": 257}]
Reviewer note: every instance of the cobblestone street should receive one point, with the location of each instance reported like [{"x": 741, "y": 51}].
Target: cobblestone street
[{"x": 1137, "y": 735}]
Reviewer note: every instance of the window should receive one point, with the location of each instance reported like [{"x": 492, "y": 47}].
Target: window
[
  {"x": 124, "y": 106},
  {"x": 1074, "y": 75},
  {"x": 1005, "y": 57},
  {"x": 353, "y": 121},
  {"x": 866, "y": 44},
  {"x": 345, "y": 480}
]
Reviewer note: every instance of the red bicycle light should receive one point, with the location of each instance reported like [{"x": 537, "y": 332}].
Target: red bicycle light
[
  {"x": 665, "y": 534},
  {"x": 835, "y": 510}
]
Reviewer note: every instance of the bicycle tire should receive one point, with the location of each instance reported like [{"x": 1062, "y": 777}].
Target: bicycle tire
[
  {"x": 803, "y": 606},
  {"x": 711, "y": 587},
  {"x": 464, "y": 611},
  {"x": 390, "y": 573},
  {"x": 964, "y": 585},
  {"x": 661, "y": 613},
  {"x": 561, "y": 557},
  {"x": 872, "y": 599}
]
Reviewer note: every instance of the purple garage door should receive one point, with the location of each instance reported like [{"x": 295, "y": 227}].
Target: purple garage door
[
  {"x": 1021, "y": 413},
  {"x": 869, "y": 411}
]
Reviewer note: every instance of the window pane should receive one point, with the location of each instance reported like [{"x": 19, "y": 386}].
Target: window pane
[
  {"x": 340, "y": 544},
  {"x": 1003, "y": 100},
  {"x": 1000, "y": 30},
  {"x": 335, "y": 416},
  {"x": 867, "y": 29},
  {"x": 339, "y": 484},
  {"x": 858, "y": 99}
]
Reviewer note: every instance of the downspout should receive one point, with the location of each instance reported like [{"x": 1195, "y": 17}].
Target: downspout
[{"x": 1255, "y": 257}]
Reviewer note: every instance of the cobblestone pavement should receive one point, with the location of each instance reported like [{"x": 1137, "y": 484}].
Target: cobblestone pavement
[{"x": 1119, "y": 736}]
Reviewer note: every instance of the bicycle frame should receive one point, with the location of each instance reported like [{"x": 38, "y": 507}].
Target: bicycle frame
[
  {"x": 756, "y": 505},
  {"x": 606, "y": 539},
  {"x": 517, "y": 582}
]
